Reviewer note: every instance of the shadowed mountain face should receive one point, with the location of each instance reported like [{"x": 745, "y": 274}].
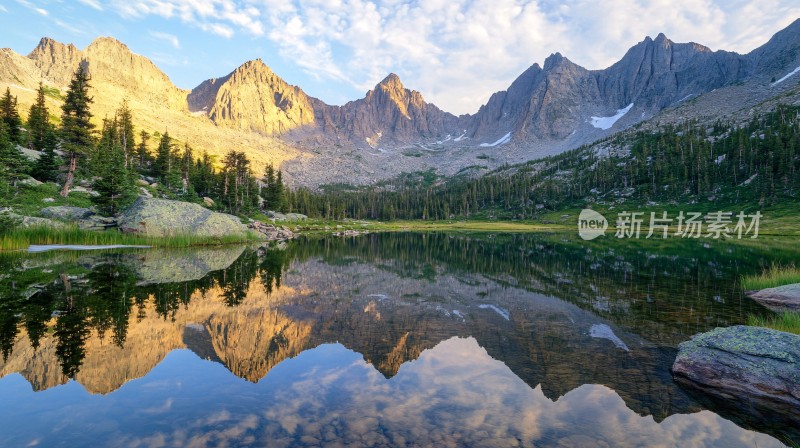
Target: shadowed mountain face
[
  {"x": 548, "y": 109},
  {"x": 555, "y": 314}
]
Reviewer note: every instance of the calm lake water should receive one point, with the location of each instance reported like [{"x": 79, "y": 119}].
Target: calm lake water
[{"x": 380, "y": 340}]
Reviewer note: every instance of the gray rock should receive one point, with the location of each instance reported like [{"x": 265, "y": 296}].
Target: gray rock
[
  {"x": 162, "y": 217},
  {"x": 32, "y": 221},
  {"x": 277, "y": 216},
  {"x": 781, "y": 298},
  {"x": 145, "y": 192},
  {"x": 271, "y": 232},
  {"x": 142, "y": 182},
  {"x": 48, "y": 200},
  {"x": 31, "y": 182},
  {"x": 66, "y": 213},
  {"x": 78, "y": 189},
  {"x": 748, "y": 367}
]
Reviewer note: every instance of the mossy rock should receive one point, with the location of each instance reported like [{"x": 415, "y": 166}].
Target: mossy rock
[
  {"x": 753, "y": 367},
  {"x": 162, "y": 217}
]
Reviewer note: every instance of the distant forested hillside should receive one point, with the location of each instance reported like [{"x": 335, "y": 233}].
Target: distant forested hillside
[{"x": 757, "y": 163}]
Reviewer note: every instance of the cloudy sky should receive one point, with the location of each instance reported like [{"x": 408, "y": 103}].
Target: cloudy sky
[{"x": 456, "y": 52}]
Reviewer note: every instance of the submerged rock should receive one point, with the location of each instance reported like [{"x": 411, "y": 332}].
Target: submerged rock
[
  {"x": 162, "y": 217},
  {"x": 754, "y": 369},
  {"x": 781, "y": 298}
]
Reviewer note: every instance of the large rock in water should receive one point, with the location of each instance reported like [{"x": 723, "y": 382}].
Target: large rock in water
[
  {"x": 781, "y": 298},
  {"x": 756, "y": 370},
  {"x": 162, "y": 217}
]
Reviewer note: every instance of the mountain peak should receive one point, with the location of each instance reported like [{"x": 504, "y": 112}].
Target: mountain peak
[
  {"x": 391, "y": 81},
  {"x": 555, "y": 60},
  {"x": 49, "y": 45},
  {"x": 107, "y": 43},
  {"x": 254, "y": 65}
]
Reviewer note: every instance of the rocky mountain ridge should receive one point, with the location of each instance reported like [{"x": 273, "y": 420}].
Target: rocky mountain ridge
[{"x": 548, "y": 109}]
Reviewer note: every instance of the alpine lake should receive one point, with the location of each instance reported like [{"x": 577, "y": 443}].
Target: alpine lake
[{"x": 385, "y": 339}]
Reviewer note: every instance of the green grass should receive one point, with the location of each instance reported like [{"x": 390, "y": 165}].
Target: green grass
[
  {"x": 787, "y": 321},
  {"x": 20, "y": 239},
  {"x": 772, "y": 277}
]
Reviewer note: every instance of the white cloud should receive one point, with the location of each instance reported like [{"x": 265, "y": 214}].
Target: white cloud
[
  {"x": 170, "y": 38},
  {"x": 3, "y": 9},
  {"x": 93, "y": 4},
  {"x": 458, "y": 52}
]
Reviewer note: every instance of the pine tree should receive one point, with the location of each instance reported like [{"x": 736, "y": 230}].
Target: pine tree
[
  {"x": 76, "y": 128},
  {"x": 268, "y": 190},
  {"x": 46, "y": 166},
  {"x": 126, "y": 134},
  {"x": 278, "y": 194},
  {"x": 12, "y": 162},
  {"x": 39, "y": 126},
  {"x": 143, "y": 157},
  {"x": 10, "y": 116},
  {"x": 162, "y": 163},
  {"x": 113, "y": 181}
]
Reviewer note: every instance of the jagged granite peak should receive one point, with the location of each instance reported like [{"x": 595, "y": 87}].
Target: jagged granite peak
[
  {"x": 56, "y": 61},
  {"x": 389, "y": 113},
  {"x": 253, "y": 98}
]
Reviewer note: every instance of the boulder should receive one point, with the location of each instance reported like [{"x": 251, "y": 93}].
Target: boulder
[
  {"x": 66, "y": 213},
  {"x": 208, "y": 202},
  {"x": 78, "y": 189},
  {"x": 162, "y": 217},
  {"x": 32, "y": 221},
  {"x": 30, "y": 182},
  {"x": 753, "y": 369},
  {"x": 781, "y": 298},
  {"x": 277, "y": 216},
  {"x": 145, "y": 192},
  {"x": 48, "y": 200},
  {"x": 142, "y": 183},
  {"x": 270, "y": 232}
]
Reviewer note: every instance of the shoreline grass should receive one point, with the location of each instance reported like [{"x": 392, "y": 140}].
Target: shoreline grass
[
  {"x": 22, "y": 238},
  {"x": 788, "y": 321},
  {"x": 775, "y": 276}
]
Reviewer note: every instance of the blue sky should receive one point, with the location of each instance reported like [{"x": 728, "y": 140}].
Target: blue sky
[{"x": 456, "y": 52}]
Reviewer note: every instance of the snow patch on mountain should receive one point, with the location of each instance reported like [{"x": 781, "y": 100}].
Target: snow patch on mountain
[
  {"x": 793, "y": 72},
  {"x": 503, "y": 140},
  {"x": 605, "y": 123}
]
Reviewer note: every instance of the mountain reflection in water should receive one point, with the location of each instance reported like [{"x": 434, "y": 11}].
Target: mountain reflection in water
[{"x": 388, "y": 339}]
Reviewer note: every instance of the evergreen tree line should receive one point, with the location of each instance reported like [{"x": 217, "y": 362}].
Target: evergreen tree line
[
  {"x": 755, "y": 163},
  {"x": 116, "y": 158}
]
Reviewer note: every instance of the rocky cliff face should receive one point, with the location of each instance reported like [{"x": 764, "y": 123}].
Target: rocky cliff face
[
  {"x": 253, "y": 98},
  {"x": 389, "y": 113},
  {"x": 118, "y": 74}
]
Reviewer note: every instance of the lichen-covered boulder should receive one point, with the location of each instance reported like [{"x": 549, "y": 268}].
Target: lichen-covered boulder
[
  {"x": 162, "y": 217},
  {"x": 66, "y": 213},
  {"x": 751, "y": 367},
  {"x": 781, "y": 298}
]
